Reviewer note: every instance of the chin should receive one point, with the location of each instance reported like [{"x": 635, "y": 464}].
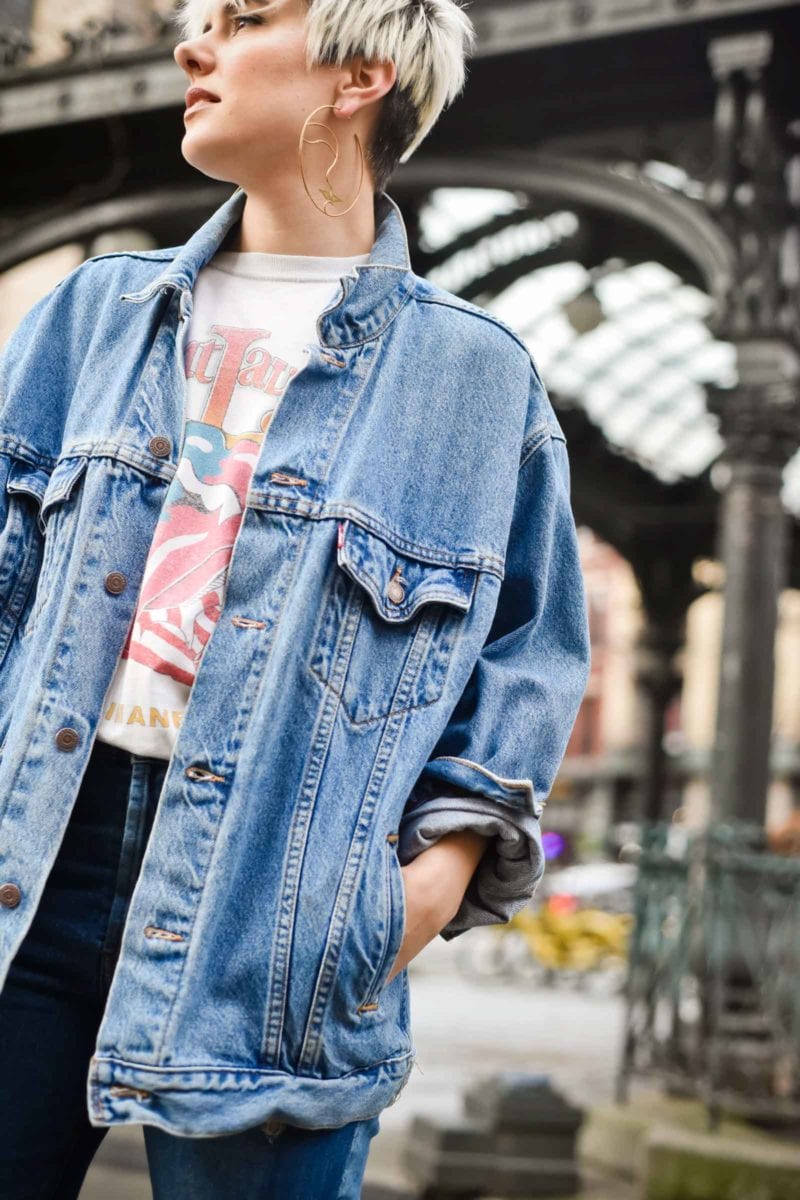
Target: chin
[{"x": 205, "y": 160}]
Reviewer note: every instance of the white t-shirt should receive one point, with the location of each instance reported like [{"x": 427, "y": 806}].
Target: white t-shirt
[{"x": 253, "y": 316}]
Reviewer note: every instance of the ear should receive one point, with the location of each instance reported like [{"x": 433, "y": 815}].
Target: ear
[{"x": 365, "y": 84}]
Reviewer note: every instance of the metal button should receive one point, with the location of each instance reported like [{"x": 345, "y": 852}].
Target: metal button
[
  {"x": 67, "y": 738},
  {"x": 396, "y": 592},
  {"x": 10, "y": 895},
  {"x": 115, "y": 582},
  {"x": 160, "y": 446},
  {"x": 273, "y": 1125}
]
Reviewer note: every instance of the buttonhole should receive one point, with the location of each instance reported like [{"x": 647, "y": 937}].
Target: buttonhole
[
  {"x": 118, "y": 1090},
  {"x": 152, "y": 931},
  {"x": 202, "y": 773}
]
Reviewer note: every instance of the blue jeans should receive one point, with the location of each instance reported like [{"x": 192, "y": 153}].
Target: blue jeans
[{"x": 51, "y": 1007}]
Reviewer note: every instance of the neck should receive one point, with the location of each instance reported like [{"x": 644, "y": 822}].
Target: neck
[{"x": 290, "y": 224}]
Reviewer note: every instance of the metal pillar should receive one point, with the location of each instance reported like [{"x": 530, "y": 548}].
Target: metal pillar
[
  {"x": 658, "y": 681},
  {"x": 753, "y": 192},
  {"x": 716, "y": 913},
  {"x": 761, "y": 427}
]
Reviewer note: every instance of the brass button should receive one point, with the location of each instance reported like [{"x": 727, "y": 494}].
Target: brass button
[
  {"x": 273, "y": 1125},
  {"x": 160, "y": 446},
  {"x": 10, "y": 895},
  {"x": 396, "y": 592},
  {"x": 115, "y": 582},
  {"x": 67, "y": 738}
]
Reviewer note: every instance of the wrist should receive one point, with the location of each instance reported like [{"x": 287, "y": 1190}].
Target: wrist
[{"x": 444, "y": 871}]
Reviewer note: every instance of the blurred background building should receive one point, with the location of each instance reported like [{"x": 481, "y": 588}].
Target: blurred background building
[{"x": 620, "y": 182}]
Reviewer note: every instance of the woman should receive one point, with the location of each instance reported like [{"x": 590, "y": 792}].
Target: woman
[{"x": 284, "y": 708}]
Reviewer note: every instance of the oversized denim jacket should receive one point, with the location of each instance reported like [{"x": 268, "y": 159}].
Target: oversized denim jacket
[{"x": 402, "y": 651}]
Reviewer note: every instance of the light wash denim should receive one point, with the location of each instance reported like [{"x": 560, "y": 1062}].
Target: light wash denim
[
  {"x": 54, "y": 996},
  {"x": 402, "y": 651}
]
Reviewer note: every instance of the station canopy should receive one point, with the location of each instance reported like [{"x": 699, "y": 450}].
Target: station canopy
[{"x": 625, "y": 342}]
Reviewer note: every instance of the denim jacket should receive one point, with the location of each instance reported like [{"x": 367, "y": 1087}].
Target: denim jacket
[{"x": 402, "y": 651}]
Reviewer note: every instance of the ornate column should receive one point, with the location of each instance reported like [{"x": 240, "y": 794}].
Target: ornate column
[
  {"x": 658, "y": 681},
  {"x": 754, "y": 191},
  {"x": 760, "y": 421}
]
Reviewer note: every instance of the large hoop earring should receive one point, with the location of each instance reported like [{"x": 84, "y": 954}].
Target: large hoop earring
[{"x": 329, "y": 192}]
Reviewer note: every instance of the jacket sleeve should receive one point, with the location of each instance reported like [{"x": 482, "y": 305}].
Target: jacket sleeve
[{"x": 495, "y": 762}]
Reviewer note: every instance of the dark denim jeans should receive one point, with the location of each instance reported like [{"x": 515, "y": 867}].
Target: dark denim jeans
[{"x": 51, "y": 1007}]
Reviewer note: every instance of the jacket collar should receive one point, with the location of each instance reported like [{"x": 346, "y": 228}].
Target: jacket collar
[{"x": 373, "y": 292}]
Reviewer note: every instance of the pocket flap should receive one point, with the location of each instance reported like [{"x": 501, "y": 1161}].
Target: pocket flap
[
  {"x": 400, "y": 583},
  {"x": 65, "y": 474},
  {"x": 22, "y": 477}
]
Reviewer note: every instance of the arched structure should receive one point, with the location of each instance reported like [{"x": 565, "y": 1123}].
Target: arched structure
[
  {"x": 623, "y": 135},
  {"x": 584, "y": 150}
]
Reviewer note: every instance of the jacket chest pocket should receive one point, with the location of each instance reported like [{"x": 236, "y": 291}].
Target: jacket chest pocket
[
  {"x": 388, "y": 624},
  {"x": 58, "y": 504}
]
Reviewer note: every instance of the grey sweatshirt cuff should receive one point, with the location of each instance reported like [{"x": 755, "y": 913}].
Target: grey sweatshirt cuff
[{"x": 510, "y": 869}]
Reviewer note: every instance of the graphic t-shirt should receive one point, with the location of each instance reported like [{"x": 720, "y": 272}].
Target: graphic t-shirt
[{"x": 253, "y": 316}]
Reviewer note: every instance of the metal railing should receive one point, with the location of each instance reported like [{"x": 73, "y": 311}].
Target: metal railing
[{"x": 713, "y": 989}]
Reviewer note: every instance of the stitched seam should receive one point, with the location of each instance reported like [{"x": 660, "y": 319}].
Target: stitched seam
[
  {"x": 433, "y": 594},
  {"x": 369, "y": 720},
  {"x": 485, "y": 771},
  {"x": 532, "y": 441},
  {"x": 25, "y": 452},
  {"x": 323, "y": 511},
  {"x": 445, "y": 302},
  {"x": 120, "y": 453},
  {"x": 553, "y": 437},
  {"x": 236, "y": 1069},
  {"x": 413, "y": 549},
  {"x": 382, "y": 329}
]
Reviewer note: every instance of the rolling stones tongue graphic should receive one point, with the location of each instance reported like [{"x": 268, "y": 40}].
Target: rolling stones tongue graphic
[{"x": 183, "y": 584}]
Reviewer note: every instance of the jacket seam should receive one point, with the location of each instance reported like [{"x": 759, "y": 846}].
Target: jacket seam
[
  {"x": 536, "y": 440},
  {"x": 218, "y": 1068},
  {"x": 320, "y": 510},
  {"x": 22, "y": 450},
  {"x": 339, "y": 345},
  {"x": 473, "y": 311},
  {"x": 486, "y": 562},
  {"x": 514, "y": 784},
  {"x": 357, "y": 724},
  {"x": 167, "y": 254}
]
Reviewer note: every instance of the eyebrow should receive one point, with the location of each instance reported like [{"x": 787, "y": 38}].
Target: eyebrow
[{"x": 229, "y": 9}]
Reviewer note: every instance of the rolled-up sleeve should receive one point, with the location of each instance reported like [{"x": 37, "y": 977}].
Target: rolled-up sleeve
[{"x": 495, "y": 762}]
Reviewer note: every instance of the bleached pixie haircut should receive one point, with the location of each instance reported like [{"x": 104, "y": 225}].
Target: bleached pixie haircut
[{"x": 428, "y": 41}]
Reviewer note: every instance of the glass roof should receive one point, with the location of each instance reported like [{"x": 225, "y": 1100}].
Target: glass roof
[{"x": 627, "y": 343}]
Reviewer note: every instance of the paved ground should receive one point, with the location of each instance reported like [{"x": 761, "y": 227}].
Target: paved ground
[{"x": 462, "y": 1030}]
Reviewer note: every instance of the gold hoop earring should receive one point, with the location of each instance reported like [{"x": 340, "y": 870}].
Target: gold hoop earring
[{"x": 329, "y": 192}]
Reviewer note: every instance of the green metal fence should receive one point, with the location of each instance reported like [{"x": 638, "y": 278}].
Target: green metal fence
[{"x": 713, "y": 989}]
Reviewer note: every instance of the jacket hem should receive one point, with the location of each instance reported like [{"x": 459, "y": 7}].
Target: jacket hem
[{"x": 214, "y": 1101}]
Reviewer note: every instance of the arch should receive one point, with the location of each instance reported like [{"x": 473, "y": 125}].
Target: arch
[
  {"x": 682, "y": 223},
  {"x": 167, "y": 214}
]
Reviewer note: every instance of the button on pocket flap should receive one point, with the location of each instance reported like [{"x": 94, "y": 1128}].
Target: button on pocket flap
[
  {"x": 65, "y": 474},
  {"x": 400, "y": 583},
  {"x": 22, "y": 477}
]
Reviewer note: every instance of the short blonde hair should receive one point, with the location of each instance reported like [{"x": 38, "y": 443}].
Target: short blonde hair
[{"x": 428, "y": 41}]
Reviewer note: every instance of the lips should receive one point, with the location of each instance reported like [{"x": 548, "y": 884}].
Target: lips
[{"x": 196, "y": 94}]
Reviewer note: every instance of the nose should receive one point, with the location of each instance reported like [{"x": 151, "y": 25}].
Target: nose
[{"x": 193, "y": 57}]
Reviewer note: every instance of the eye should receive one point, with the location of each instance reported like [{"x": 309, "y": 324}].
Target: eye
[
  {"x": 245, "y": 20},
  {"x": 236, "y": 21}
]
